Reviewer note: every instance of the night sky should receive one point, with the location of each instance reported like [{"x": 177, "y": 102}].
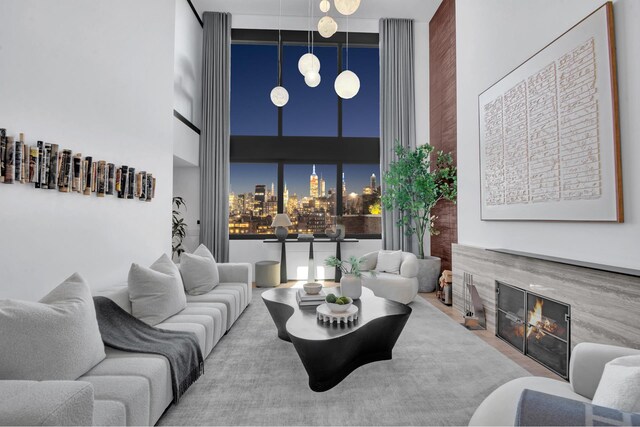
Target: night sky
[{"x": 310, "y": 111}]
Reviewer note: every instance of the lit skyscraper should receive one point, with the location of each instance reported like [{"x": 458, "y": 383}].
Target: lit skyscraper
[
  {"x": 259, "y": 199},
  {"x": 344, "y": 186},
  {"x": 323, "y": 192},
  {"x": 373, "y": 184},
  {"x": 313, "y": 183},
  {"x": 285, "y": 196}
]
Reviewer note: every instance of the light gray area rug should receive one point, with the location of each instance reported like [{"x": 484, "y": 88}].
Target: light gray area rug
[{"x": 439, "y": 374}]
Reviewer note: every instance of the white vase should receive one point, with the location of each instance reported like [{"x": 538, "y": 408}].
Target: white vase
[{"x": 351, "y": 286}]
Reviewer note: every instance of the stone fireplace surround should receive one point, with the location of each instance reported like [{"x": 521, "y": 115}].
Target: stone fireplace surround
[{"x": 605, "y": 305}]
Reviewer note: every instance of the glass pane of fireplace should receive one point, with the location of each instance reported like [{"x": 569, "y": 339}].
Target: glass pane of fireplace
[
  {"x": 511, "y": 329},
  {"x": 548, "y": 350},
  {"x": 511, "y": 300},
  {"x": 547, "y": 316},
  {"x": 511, "y": 315}
]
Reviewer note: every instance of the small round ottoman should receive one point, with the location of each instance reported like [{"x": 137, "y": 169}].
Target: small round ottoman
[{"x": 267, "y": 273}]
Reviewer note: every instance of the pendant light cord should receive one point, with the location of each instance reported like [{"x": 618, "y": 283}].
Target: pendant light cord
[
  {"x": 310, "y": 27},
  {"x": 280, "y": 46},
  {"x": 347, "y": 42}
]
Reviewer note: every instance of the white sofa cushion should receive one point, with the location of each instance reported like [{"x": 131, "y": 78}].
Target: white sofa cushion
[
  {"x": 389, "y": 262},
  {"x": 156, "y": 292},
  {"x": 619, "y": 387},
  {"x": 54, "y": 339},
  {"x": 199, "y": 271}
]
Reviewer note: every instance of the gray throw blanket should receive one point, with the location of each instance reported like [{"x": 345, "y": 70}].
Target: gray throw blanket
[{"x": 122, "y": 331}]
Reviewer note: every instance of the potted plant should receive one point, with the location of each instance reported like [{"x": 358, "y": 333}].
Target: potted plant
[
  {"x": 178, "y": 229},
  {"x": 351, "y": 281},
  {"x": 414, "y": 185}
]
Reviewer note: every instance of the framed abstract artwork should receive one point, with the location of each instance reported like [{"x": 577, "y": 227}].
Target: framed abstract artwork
[{"x": 549, "y": 132}]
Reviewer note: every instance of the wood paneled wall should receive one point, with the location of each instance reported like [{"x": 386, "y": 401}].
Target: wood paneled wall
[{"x": 443, "y": 122}]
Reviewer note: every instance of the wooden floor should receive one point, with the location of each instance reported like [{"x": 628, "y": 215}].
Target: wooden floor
[{"x": 525, "y": 362}]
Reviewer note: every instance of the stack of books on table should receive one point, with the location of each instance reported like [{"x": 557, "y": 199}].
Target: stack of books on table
[{"x": 306, "y": 300}]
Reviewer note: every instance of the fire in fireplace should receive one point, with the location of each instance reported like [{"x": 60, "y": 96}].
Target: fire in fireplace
[{"x": 537, "y": 326}]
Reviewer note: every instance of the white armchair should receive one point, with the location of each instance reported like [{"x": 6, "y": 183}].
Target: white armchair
[
  {"x": 585, "y": 370},
  {"x": 401, "y": 287}
]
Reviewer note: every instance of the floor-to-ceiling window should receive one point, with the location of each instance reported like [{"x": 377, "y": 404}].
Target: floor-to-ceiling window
[{"x": 315, "y": 159}]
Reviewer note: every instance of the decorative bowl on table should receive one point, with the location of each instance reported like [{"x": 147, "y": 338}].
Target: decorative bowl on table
[
  {"x": 338, "y": 304},
  {"x": 312, "y": 288}
]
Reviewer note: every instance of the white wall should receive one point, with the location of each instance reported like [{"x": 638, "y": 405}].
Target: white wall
[
  {"x": 493, "y": 37},
  {"x": 187, "y": 83},
  {"x": 95, "y": 77}
]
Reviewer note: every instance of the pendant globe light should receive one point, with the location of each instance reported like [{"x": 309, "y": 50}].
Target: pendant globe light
[
  {"x": 347, "y": 84},
  {"x": 347, "y": 7},
  {"x": 279, "y": 95},
  {"x": 327, "y": 26}
]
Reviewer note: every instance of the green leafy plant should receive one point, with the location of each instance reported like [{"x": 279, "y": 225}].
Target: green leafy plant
[
  {"x": 179, "y": 227},
  {"x": 414, "y": 185},
  {"x": 351, "y": 266}
]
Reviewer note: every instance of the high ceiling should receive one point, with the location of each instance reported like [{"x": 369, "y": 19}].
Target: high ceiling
[{"x": 420, "y": 10}]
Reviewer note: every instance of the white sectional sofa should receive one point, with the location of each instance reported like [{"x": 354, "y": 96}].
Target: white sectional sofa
[{"x": 128, "y": 388}]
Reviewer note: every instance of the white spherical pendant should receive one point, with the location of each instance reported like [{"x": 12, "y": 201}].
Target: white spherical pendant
[
  {"x": 325, "y": 5},
  {"x": 279, "y": 96},
  {"x": 327, "y": 26},
  {"x": 312, "y": 79},
  {"x": 347, "y": 84},
  {"x": 347, "y": 7},
  {"x": 308, "y": 62}
]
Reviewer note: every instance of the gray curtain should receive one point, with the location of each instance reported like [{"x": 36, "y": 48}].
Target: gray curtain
[
  {"x": 214, "y": 137},
  {"x": 397, "y": 112}
]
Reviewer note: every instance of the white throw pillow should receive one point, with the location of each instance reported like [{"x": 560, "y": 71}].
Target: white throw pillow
[
  {"x": 156, "y": 292},
  {"x": 56, "y": 338},
  {"x": 389, "y": 262},
  {"x": 199, "y": 271},
  {"x": 619, "y": 387}
]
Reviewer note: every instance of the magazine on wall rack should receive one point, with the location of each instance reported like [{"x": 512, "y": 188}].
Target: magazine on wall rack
[
  {"x": 149, "y": 187},
  {"x": 124, "y": 182},
  {"x": 132, "y": 183},
  {"x": 94, "y": 177},
  {"x": 33, "y": 163},
  {"x": 77, "y": 173},
  {"x": 46, "y": 167},
  {"x": 88, "y": 175},
  {"x": 25, "y": 163},
  {"x": 54, "y": 167},
  {"x": 111, "y": 178},
  {"x": 101, "y": 188},
  {"x": 9, "y": 161},
  {"x": 3, "y": 148}
]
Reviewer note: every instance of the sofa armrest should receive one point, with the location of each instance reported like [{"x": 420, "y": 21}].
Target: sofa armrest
[
  {"x": 236, "y": 272},
  {"x": 46, "y": 403},
  {"x": 587, "y": 365},
  {"x": 409, "y": 267}
]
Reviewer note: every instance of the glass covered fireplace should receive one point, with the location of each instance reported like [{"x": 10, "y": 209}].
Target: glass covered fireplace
[{"x": 536, "y": 325}]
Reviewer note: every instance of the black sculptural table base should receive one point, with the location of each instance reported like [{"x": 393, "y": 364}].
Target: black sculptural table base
[{"x": 330, "y": 353}]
